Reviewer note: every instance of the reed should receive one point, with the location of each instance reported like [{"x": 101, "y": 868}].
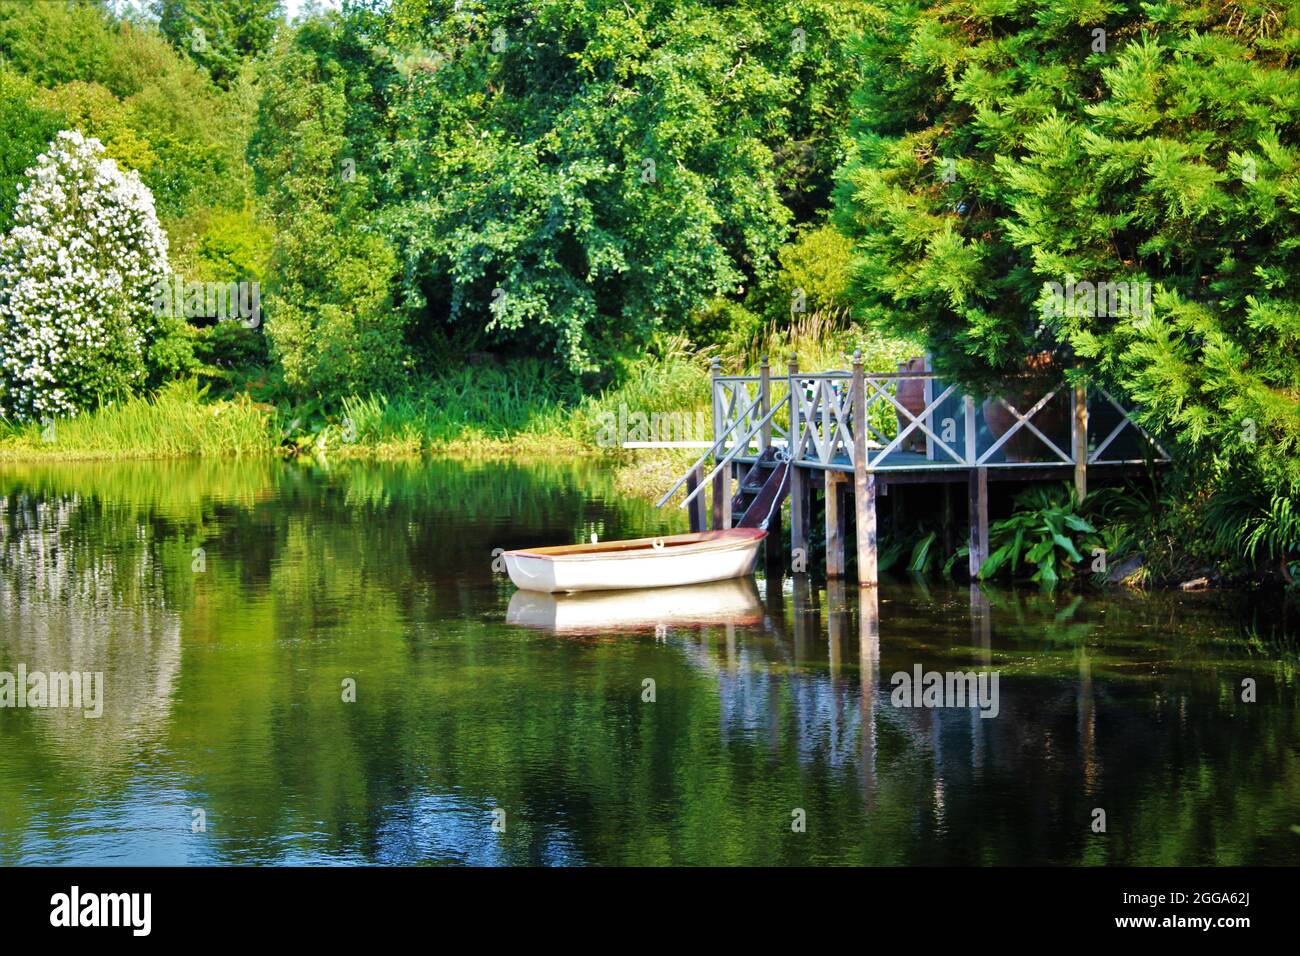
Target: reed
[{"x": 176, "y": 421}]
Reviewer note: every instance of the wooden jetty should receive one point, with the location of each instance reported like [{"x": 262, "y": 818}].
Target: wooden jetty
[{"x": 780, "y": 439}]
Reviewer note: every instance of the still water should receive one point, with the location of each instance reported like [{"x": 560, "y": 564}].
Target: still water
[{"x": 231, "y": 607}]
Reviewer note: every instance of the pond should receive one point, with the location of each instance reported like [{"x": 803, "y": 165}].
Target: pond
[{"x": 311, "y": 664}]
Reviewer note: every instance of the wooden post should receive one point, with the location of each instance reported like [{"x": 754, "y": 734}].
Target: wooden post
[
  {"x": 972, "y": 447},
  {"x": 798, "y": 481},
  {"x": 715, "y": 370},
  {"x": 834, "y": 524},
  {"x": 979, "y": 519},
  {"x": 773, "y": 565},
  {"x": 722, "y": 499},
  {"x": 928, "y": 398},
  {"x": 764, "y": 404},
  {"x": 722, "y": 480},
  {"x": 864, "y": 482},
  {"x": 696, "y": 507},
  {"x": 1080, "y": 435}
]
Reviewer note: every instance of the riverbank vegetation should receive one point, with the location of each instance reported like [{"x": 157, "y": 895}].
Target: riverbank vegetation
[{"x": 485, "y": 228}]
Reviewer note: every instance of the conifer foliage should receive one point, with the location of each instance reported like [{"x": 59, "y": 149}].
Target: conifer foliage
[{"x": 1001, "y": 146}]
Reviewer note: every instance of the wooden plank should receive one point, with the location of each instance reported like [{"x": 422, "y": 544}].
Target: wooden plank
[
  {"x": 834, "y": 524},
  {"x": 928, "y": 398},
  {"x": 979, "y": 518},
  {"x": 968, "y": 410}
]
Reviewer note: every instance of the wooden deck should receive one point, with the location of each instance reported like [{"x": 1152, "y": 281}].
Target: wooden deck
[{"x": 917, "y": 429}]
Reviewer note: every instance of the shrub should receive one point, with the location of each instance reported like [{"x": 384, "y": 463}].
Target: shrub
[
  {"x": 1046, "y": 531},
  {"x": 77, "y": 324}
]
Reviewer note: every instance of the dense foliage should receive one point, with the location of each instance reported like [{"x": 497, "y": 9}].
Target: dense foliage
[
  {"x": 571, "y": 176},
  {"x": 333, "y": 324},
  {"x": 1000, "y": 147},
  {"x": 220, "y": 35}
]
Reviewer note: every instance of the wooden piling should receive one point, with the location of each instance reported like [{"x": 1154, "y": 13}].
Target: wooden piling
[
  {"x": 722, "y": 480},
  {"x": 722, "y": 499},
  {"x": 835, "y": 482},
  {"x": 1079, "y": 432},
  {"x": 979, "y": 519},
  {"x": 799, "y": 510},
  {"x": 698, "y": 514},
  {"x": 864, "y": 482},
  {"x": 772, "y": 558}
]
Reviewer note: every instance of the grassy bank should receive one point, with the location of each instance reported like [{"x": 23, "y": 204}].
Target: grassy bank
[
  {"x": 177, "y": 421},
  {"x": 490, "y": 408}
]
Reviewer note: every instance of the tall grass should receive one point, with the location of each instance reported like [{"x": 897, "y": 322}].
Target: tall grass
[
  {"x": 525, "y": 406},
  {"x": 177, "y": 421},
  {"x": 486, "y": 407}
]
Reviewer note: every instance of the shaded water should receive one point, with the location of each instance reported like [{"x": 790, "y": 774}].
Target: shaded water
[{"x": 227, "y": 603}]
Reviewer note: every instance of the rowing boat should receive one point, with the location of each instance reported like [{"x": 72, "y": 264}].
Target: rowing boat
[{"x": 669, "y": 561}]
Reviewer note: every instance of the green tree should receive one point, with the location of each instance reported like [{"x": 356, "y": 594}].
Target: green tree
[
  {"x": 567, "y": 177},
  {"x": 330, "y": 310},
  {"x": 1000, "y": 147},
  {"x": 220, "y": 35},
  {"x": 26, "y": 127}
]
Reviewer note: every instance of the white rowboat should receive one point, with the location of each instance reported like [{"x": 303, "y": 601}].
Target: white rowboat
[{"x": 639, "y": 563}]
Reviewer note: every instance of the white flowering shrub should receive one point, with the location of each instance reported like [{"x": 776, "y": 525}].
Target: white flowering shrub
[{"x": 77, "y": 274}]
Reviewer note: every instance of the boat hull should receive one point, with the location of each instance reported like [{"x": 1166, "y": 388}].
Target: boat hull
[{"x": 643, "y": 563}]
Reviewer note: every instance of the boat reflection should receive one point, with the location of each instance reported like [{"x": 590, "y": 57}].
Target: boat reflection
[{"x": 735, "y": 601}]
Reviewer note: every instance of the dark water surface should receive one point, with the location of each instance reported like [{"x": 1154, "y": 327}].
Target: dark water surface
[{"x": 227, "y": 604}]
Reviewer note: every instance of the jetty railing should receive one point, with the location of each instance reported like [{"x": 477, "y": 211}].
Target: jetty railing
[
  {"x": 934, "y": 425},
  {"x": 878, "y": 429}
]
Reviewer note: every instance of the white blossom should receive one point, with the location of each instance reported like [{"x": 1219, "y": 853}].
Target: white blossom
[{"x": 76, "y": 273}]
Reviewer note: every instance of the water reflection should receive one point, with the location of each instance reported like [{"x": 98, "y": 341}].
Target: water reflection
[
  {"x": 224, "y": 692},
  {"x": 733, "y": 602}
]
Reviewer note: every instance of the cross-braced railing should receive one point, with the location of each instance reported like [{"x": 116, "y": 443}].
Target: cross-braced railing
[
  {"x": 741, "y": 400},
  {"x": 914, "y": 421}
]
